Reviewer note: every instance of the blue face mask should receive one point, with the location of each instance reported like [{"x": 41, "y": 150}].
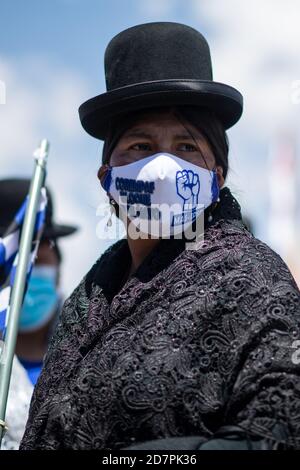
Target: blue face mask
[{"x": 41, "y": 299}]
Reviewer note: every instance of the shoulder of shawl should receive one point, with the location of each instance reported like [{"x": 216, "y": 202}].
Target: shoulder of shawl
[
  {"x": 228, "y": 245},
  {"x": 103, "y": 259},
  {"x": 75, "y": 307}
]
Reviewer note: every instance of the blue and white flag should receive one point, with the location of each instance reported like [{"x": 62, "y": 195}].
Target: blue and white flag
[{"x": 9, "y": 255}]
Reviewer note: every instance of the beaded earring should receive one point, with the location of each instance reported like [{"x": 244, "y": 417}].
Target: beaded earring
[{"x": 112, "y": 210}]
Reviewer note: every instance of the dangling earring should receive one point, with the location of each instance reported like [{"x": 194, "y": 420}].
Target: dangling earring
[
  {"x": 112, "y": 203},
  {"x": 210, "y": 217},
  {"x": 109, "y": 222}
]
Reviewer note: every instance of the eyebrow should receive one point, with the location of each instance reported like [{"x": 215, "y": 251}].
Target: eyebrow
[{"x": 140, "y": 133}]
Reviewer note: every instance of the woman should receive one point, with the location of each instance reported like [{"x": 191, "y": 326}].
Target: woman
[{"x": 168, "y": 344}]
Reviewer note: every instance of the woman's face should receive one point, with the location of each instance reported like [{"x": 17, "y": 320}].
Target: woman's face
[{"x": 162, "y": 132}]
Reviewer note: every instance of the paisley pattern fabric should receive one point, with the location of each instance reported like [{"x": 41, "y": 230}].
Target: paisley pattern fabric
[{"x": 193, "y": 341}]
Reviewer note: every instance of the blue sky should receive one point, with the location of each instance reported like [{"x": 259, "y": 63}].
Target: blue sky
[
  {"x": 51, "y": 60},
  {"x": 77, "y": 31}
]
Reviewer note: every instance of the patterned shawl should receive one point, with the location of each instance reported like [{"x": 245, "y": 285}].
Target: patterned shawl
[{"x": 195, "y": 340}]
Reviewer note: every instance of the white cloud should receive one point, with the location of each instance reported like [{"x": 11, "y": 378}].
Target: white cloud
[
  {"x": 42, "y": 102},
  {"x": 2, "y": 92},
  {"x": 16, "y": 116},
  {"x": 255, "y": 47}
]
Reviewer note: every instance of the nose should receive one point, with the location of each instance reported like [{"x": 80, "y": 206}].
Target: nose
[{"x": 164, "y": 149}]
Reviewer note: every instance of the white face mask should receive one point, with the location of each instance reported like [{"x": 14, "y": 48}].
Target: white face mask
[{"x": 161, "y": 194}]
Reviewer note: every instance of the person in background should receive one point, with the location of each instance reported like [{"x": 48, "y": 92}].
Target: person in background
[{"x": 40, "y": 309}]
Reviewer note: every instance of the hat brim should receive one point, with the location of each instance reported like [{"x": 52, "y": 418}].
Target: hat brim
[
  {"x": 57, "y": 231},
  {"x": 224, "y": 100}
]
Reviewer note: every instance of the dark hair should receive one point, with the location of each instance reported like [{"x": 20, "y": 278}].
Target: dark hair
[{"x": 203, "y": 119}]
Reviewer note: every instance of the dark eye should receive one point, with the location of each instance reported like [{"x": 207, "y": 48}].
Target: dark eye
[
  {"x": 188, "y": 148},
  {"x": 141, "y": 147}
]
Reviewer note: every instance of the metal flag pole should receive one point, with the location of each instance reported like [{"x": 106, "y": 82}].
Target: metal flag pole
[{"x": 7, "y": 355}]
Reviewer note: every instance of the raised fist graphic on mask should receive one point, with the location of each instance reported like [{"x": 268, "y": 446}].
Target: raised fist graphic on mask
[{"x": 188, "y": 186}]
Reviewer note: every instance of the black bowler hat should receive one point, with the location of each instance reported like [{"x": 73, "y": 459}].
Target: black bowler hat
[
  {"x": 12, "y": 194},
  {"x": 158, "y": 64}
]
